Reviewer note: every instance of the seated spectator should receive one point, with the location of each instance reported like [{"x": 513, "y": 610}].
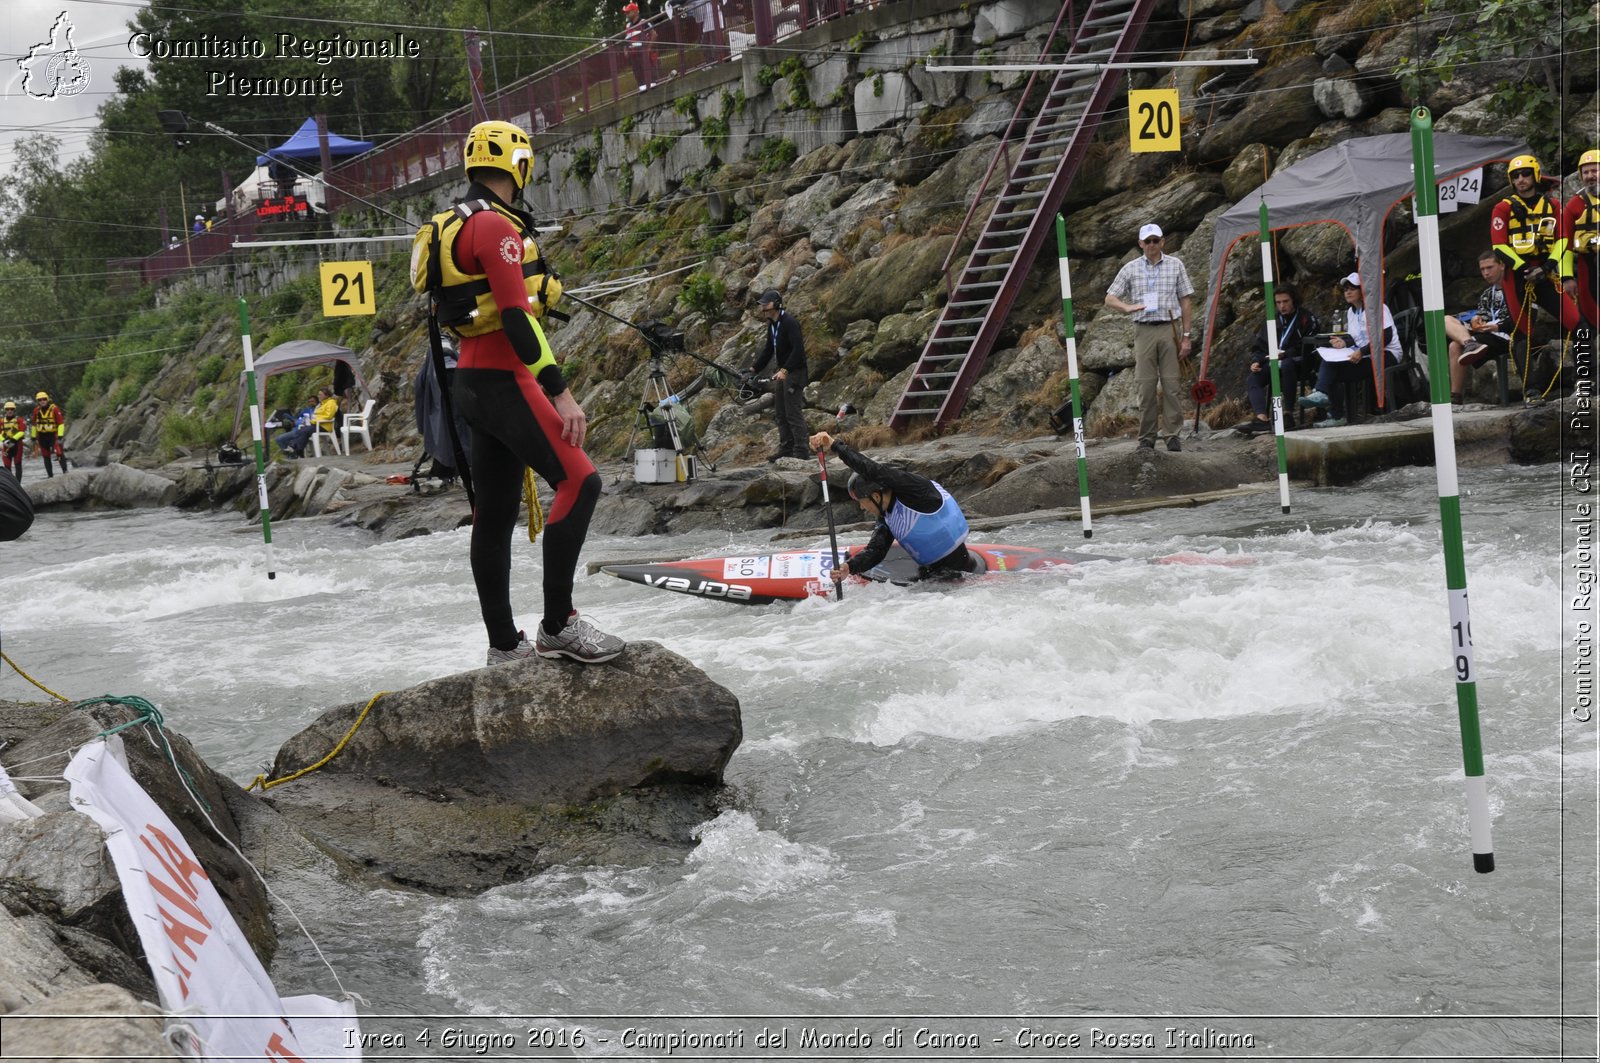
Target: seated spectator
[
  {"x": 1482, "y": 333},
  {"x": 1294, "y": 325},
  {"x": 293, "y": 442},
  {"x": 1333, "y": 376}
]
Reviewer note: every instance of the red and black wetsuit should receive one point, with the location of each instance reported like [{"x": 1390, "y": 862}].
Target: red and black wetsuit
[{"x": 514, "y": 425}]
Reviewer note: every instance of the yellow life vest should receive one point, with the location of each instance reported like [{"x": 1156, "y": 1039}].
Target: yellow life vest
[
  {"x": 46, "y": 419},
  {"x": 1531, "y": 230},
  {"x": 1585, "y": 236},
  {"x": 12, "y": 428},
  {"x": 464, "y": 301}
]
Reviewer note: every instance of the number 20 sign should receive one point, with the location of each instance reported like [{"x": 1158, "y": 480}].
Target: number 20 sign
[
  {"x": 1153, "y": 120},
  {"x": 347, "y": 289}
]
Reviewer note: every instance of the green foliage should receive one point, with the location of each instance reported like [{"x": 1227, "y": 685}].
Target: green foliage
[
  {"x": 717, "y": 242},
  {"x": 644, "y": 230},
  {"x": 767, "y": 76},
  {"x": 584, "y": 161},
  {"x": 127, "y": 394},
  {"x": 656, "y": 147},
  {"x": 627, "y": 124},
  {"x": 733, "y": 103},
  {"x": 203, "y": 428},
  {"x": 877, "y": 84},
  {"x": 684, "y": 105},
  {"x": 704, "y": 293},
  {"x": 1526, "y": 41},
  {"x": 795, "y": 71},
  {"x": 776, "y": 153},
  {"x": 210, "y": 368},
  {"x": 714, "y": 132}
]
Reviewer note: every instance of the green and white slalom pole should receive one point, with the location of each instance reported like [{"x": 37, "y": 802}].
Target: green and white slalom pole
[
  {"x": 1072, "y": 375},
  {"x": 255, "y": 434},
  {"x": 1444, "y": 456},
  {"x": 1274, "y": 359}
]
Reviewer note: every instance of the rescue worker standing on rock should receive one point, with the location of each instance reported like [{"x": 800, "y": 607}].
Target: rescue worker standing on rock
[
  {"x": 1525, "y": 230},
  {"x": 48, "y": 426},
  {"x": 13, "y": 439},
  {"x": 1580, "y": 271},
  {"x": 494, "y": 288}
]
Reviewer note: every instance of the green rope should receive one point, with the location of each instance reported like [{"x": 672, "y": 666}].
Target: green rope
[{"x": 147, "y": 713}]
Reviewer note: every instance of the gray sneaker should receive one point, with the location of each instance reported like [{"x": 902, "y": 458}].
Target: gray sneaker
[
  {"x": 579, "y": 640},
  {"x": 520, "y": 652}
]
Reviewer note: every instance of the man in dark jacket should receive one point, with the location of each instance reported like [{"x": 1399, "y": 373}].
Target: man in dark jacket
[
  {"x": 1294, "y": 325},
  {"x": 788, "y": 347},
  {"x": 911, "y": 510}
]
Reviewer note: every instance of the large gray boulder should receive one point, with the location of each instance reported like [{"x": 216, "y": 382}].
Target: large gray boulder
[
  {"x": 32, "y": 966},
  {"x": 884, "y": 285},
  {"x": 485, "y": 777},
  {"x": 1278, "y": 104},
  {"x": 87, "y": 1022},
  {"x": 55, "y": 868}
]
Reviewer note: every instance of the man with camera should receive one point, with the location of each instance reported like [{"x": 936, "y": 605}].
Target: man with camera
[{"x": 787, "y": 346}]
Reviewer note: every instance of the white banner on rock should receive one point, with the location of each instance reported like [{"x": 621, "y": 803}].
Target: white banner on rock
[
  {"x": 205, "y": 971},
  {"x": 13, "y": 806}
]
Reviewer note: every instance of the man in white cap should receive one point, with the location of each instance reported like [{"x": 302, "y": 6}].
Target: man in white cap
[
  {"x": 1156, "y": 290},
  {"x": 199, "y": 223}
]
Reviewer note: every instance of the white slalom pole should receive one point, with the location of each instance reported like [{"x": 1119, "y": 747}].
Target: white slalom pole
[
  {"x": 1444, "y": 457},
  {"x": 255, "y": 433},
  {"x": 1275, "y": 361}
]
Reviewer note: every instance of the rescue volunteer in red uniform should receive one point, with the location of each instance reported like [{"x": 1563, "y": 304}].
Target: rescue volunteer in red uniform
[
  {"x": 48, "y": 426},
  {"x": 1525, "y": 230},
  {"x": 512, "y": 393},
  {"x": 1580, "y": 273},
  {"x": 13, "y": 439}
]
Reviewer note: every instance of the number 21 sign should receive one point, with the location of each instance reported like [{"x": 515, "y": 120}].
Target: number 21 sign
[{"x": 347, "y": 289}]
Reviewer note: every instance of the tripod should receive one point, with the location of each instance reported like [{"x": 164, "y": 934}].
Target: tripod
[{"x": 657, "y": 412}]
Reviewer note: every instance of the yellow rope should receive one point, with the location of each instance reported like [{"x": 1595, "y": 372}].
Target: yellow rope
[
  {"x": 530, "y": 493},
  {"x": 32, "y": 680},
  {"x": 267, "y": 784}
]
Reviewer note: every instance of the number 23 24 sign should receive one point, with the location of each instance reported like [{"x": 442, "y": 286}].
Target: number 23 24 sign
[
  {"x": 347, "y": 289},
  {"x": 1153, "y": 120}
]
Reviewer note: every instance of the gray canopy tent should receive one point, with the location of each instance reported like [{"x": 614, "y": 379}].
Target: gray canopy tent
[
  {"x": 1354, "y": 184},
  {"x": 287, "y": 357}
]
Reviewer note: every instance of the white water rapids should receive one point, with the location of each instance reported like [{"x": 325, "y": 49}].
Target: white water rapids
[{"x": 1220, "y": 801}]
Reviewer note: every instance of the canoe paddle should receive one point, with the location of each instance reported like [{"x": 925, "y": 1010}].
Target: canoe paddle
[{"x": 833, "y": 535}]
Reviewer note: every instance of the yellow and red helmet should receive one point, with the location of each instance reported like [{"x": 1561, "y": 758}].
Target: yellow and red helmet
[
  {"x": 43, "y": 396},
  {"x": 1524, "y": 162},
  {"x": 500, "y": 146},
  {"x": 1590, "y": 157}
]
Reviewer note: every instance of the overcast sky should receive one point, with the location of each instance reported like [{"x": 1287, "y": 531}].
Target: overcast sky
[{"x": 100, "y": 35}]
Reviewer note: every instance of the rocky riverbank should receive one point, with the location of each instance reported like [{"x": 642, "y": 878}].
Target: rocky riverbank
[
  {"x": 452, "y": 786},
  {"x": 991, "y": 477}
]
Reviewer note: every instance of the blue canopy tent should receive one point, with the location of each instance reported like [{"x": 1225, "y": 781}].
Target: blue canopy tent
[{"x": 304, "y": 145}]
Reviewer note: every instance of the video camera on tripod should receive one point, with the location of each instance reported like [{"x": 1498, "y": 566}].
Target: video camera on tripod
[{"x": 674, "y": 453}]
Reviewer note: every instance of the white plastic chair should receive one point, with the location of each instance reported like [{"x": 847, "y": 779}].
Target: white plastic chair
[
  {"x": 356, "y": 424},
  {"x": 319, "y": 435}
]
